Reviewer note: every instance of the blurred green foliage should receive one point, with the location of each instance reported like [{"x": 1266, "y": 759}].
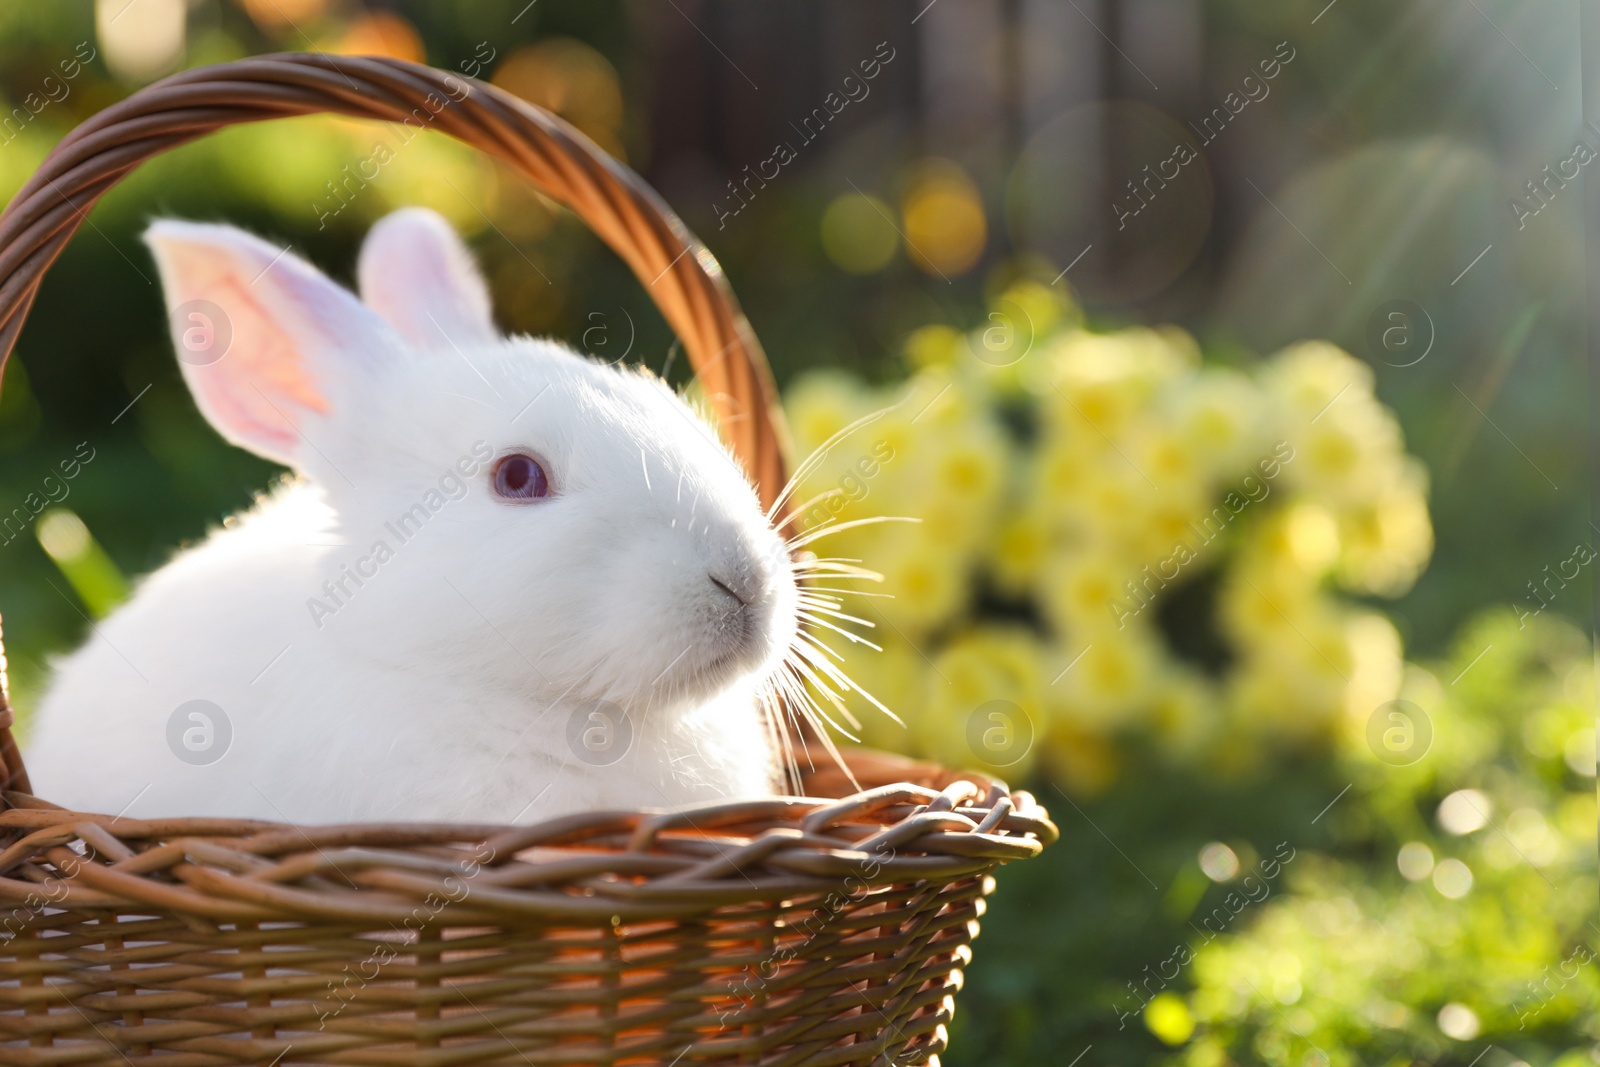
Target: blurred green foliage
[{"x": 1367, "y": 946}]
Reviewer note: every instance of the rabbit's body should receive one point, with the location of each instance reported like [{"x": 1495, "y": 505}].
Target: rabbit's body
[
  {"x": 313, "y": 740},
  {"x": 407, "y": 631}
]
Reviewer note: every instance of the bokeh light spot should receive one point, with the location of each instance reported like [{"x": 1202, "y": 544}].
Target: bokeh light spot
[
  {"x": 382, "y": 33},
  {"x": 1168, "y": 1017},
  {"x": 1459, "y": 1022},
  {"x": 63, "y": 535},
  {"x": 573, "y": 80},
  {"x": 282, "y": 14},
  {"x": 141, "y": 41},
  {"x": 857, "y": 233},
  {"x": 1219, "y": 862},
  {"x": 1415, "y": 861},
  {"x": 1579, "y": 752},
  {"x": 944, "y": 222},
  {"x": 1452, "y": 878},
  {"x": 1464, "y": 811}
]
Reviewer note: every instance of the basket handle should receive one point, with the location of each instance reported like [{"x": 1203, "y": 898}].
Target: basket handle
[{"x": 681, "y": 275}]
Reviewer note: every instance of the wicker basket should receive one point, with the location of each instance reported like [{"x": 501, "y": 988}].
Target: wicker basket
[{"x": 828, "y": 929}]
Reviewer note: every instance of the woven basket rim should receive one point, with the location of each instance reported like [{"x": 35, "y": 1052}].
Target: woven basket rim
[{"x": 589, "y": 868}]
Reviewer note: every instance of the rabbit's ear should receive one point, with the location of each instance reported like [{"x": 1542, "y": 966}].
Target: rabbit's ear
[
  {"x": 265, "y": 340},
  {"x": 417, "y": 274}
]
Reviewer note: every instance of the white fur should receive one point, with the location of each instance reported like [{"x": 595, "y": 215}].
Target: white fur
[{"x": 443, "y": 685}]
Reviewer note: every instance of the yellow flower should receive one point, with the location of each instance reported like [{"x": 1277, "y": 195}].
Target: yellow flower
[
  {"x": 984, "y": 706},
  {"x": 1109, "y": 682},
  {"x": 820, "y": 404},
  {"x": 1086, "y": 592},
  {"x": 966, "y": 469},
  {"x": 968, "y": 460},
  {"x": 1135, "y": 468},
  {"x": 1377, "y": 663},
  {"x": 1302, "y": 536},
  {"x": 1042, "y": 306},
  {"x": 1347, "y": 444},
  {"x": 1262, "y": 600},
  {"x": 1164, "y": 457},
  {"x": 933, "y": 346},
  {"x": 937, "y": 400},
  {"x": 1166, "y": 531},
  {"x": 1273, "y": 699},
  {"x": 1218, "y": 416},
  {"x": 1019, "y": 551},
  {"x": 1295, "y": 689},
  {"x": 1106, "y": 503},
  {"x": 1094, "y": 384},
  {"x": 928, "y": 587},
  {"x": 958, "y": 493},
  {"x": 1388, "y": 541},
  {"x": 1062, "y": 471},
  {"x": 1307, "y": 377},
  {"x": 1340, "y": 456}
]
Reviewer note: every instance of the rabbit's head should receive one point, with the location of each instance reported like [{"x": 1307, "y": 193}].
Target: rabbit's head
[{"x": 504, "y": 508}]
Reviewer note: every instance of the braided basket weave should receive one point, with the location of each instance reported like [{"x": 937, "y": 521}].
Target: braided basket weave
[{"x": 825, "y": 929}]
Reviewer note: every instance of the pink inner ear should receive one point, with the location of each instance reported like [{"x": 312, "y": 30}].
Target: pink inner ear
[
  {"x": 420, "y": 278},
  {"x": 258, "y": 391}
]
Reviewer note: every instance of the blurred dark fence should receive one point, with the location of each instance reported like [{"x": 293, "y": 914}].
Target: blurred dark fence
[{"x": 1330, "y": 160}]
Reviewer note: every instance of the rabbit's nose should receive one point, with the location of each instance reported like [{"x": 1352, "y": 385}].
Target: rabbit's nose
[
  {"x": 739, "y": 587},
  {"x": 735, "y": 563}
]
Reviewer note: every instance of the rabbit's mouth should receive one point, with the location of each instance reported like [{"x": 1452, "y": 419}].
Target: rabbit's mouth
[
  {"x": 738, "y": 621},
  {"x": 743, "y": 633}
]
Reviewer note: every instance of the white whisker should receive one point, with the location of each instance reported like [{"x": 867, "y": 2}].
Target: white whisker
[
  {"x": 796, "y": 706},
  {"x": 820, "y": 453},
  {"x": 853, "y": 592},
  {"x": 820, "y": 532},
  {"x": 826, "y": 494},
  {"x": 846, "y": 681},
  {"x": 825, "y": 609},
  {"x": 855, "y": 638},
  {"x": 810, "y": 647},
  {"x": 835, "y": 569},
  {"x": 832, "y": 698}
]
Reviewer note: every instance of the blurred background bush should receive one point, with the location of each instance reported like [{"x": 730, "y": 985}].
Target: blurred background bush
[{"x": 1203, "y": 326}]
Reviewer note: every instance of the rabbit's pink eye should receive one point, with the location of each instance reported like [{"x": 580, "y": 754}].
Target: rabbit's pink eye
[{"x": 519, "y": 477}]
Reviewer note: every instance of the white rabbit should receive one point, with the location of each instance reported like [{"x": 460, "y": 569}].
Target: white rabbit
[{"x": 507, "y": 582}]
